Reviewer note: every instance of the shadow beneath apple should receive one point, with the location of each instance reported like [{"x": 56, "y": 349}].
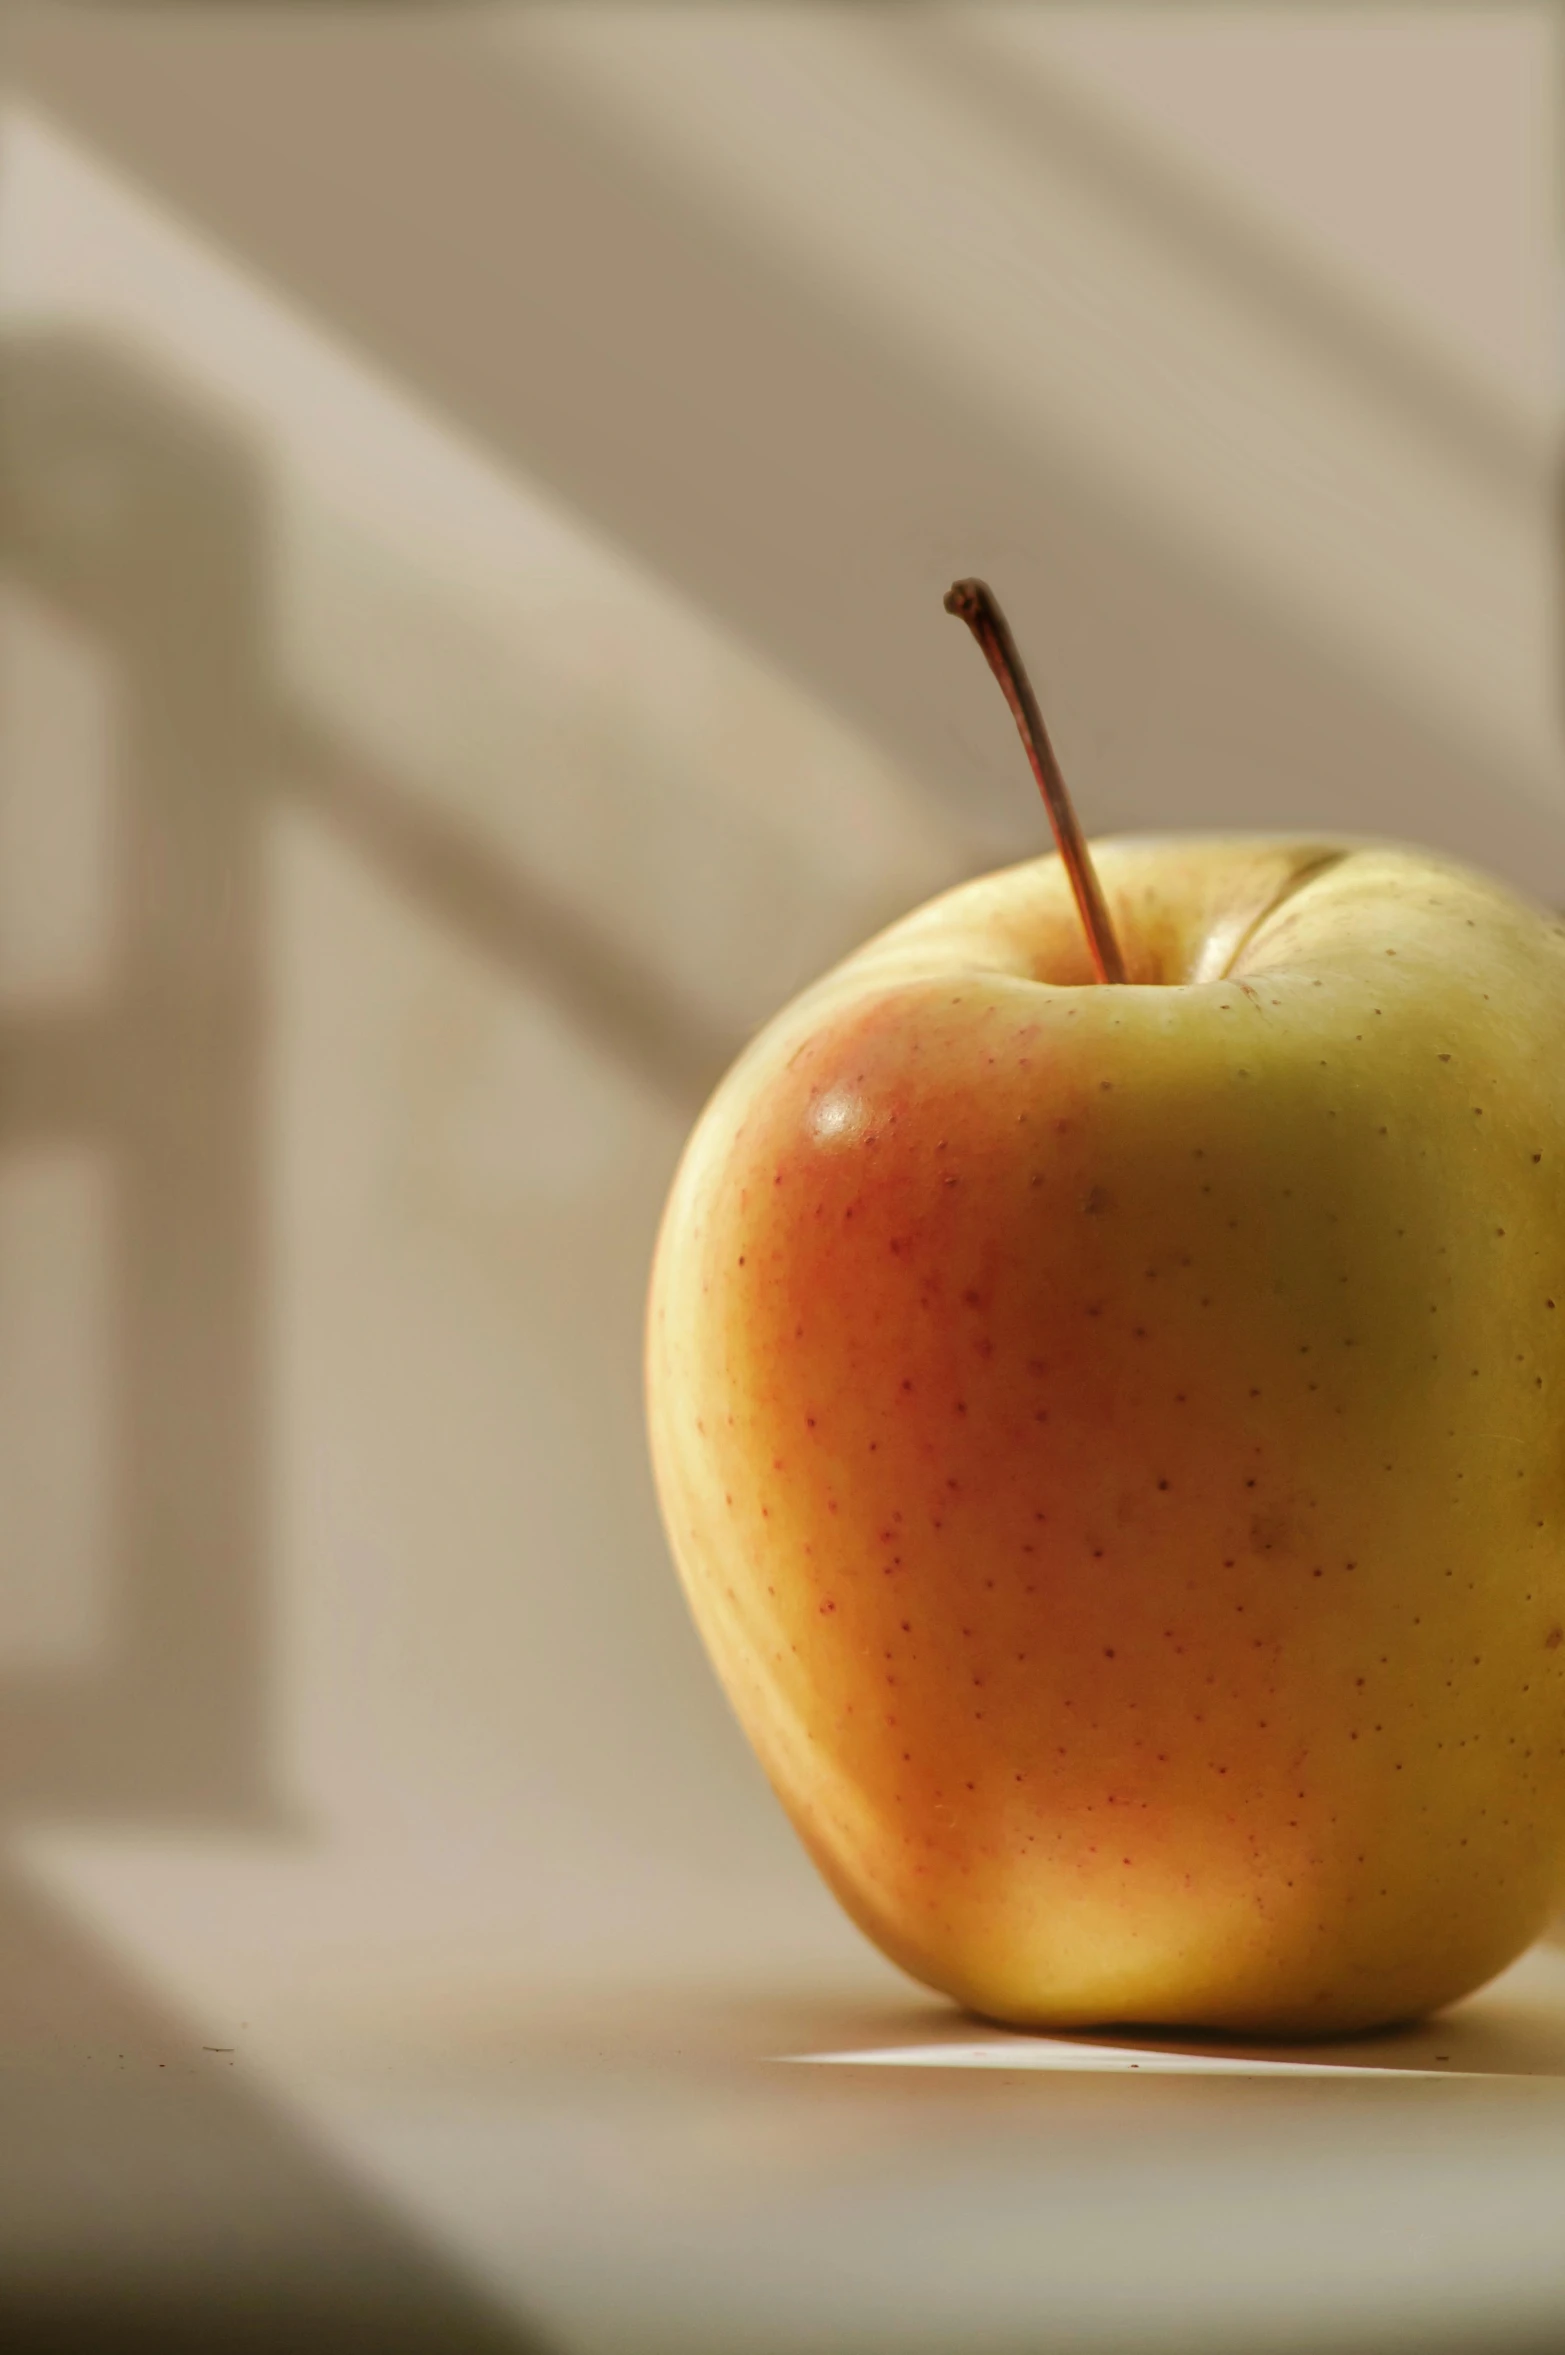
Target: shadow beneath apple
[{"x": 1514, "y": 2028}]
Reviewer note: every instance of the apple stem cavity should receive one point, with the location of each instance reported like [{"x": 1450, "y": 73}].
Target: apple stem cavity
[{"x": 975, "y": 603}]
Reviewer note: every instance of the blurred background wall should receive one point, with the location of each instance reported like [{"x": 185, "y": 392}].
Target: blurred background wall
[{"x": 478, "y": 491}]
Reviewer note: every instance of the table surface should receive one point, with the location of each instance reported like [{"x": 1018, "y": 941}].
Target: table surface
[{"x": 663, "y": 2165}]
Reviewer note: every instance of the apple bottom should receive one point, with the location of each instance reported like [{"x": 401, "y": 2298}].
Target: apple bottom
[{"x": 1170, "y": 1947}]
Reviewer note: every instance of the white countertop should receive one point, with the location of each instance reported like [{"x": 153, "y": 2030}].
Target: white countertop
[{"x": 778, "y": 2164}]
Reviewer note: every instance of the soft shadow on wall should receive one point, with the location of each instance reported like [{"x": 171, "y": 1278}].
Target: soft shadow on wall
[
  {"x": 555, "y": 287},
  {"x": 143, "y": 521}
]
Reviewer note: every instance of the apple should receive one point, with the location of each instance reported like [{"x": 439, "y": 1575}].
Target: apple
[{"x": 1110, "y": 1433}]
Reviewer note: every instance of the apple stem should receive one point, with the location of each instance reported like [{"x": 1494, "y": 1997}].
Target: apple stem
[{"x": 975, "y": 603}]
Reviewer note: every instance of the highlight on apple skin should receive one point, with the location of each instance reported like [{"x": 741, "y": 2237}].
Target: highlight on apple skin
[{"x": 1111, "y": 1442}]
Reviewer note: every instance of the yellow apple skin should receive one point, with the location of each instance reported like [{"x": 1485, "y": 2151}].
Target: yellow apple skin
[{"x": 1111, "y": 1438}]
